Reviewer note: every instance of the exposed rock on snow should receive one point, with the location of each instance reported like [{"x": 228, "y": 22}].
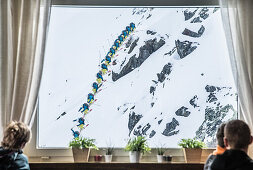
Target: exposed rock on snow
[
  {"x": 166, "y": 71},
  {"x": 144, "y": 52},
  {"x": 170, "y": 128},
  {"x": 193, "y": 101},
  {"x": 183, "y": 111},
  {"x": 188, "y": 14},
  {"x": 151, "y": 32},
  {"x": 152, "y": 134},
  {"x": 194, "y": 34},
  {"x": 133, "y": 120},
  {"x": 184, "y": 48},
  {"x": 133, "y": 45}
]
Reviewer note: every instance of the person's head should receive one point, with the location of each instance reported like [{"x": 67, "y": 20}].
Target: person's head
[
  {"x": 220, "y": 135},
  {"x": 16, "y": 135},
  {"x": 237, "y": 135}
]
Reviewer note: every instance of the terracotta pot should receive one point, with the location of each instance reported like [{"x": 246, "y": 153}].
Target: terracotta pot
[
  {"x": 134, "y": 156},
  {"x": 192, "y": 155},
  {"x": 81, "y": 155}
]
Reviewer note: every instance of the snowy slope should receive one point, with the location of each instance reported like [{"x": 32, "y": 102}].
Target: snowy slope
[{"x": 139, "y": 102}]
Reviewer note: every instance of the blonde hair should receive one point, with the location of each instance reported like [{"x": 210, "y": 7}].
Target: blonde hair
[{"x": 16, "y": 135}]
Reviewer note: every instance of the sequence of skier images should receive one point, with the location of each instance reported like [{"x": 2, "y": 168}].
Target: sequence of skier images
[{"x": 96, "y": 86}]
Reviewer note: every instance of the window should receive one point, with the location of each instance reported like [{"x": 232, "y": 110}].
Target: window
[{"x": 169, "y": 79}]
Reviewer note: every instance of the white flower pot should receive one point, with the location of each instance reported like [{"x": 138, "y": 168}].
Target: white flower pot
[
  {"x": 159, "y": 158},
  {"x": 108, "y": 158},
  {"x": 134, "y": 156}
]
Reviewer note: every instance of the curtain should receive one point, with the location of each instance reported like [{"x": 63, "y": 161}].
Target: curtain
[
  {"x": 23, "y": 28},
  {"x": 238, "y": 25}
]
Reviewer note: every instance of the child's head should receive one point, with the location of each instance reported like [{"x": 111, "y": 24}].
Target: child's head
[
  {"x": 16, "y": 135},
  {"x": 220, "y": 135},
  {"x": 237, "y": 135}
]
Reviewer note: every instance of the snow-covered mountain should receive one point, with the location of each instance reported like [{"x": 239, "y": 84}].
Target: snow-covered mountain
[{"x": 171, "y": 78}]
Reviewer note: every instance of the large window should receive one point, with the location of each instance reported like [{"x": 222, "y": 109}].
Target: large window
[{"x": 169, "y": 79}]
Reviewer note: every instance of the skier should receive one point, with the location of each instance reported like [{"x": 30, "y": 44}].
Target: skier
[
  {"x": 132, "y": 26},
  {"x": 75, "y": 133},
  {"x": 90, "y": 98},
  {"x": 99, "y": 77},
  {"x": 95, "y": 87},
  {"x": 81, "y": 122},
  {"x": 125, "y": 34},
  {"x": 104, "y": 68},
  {"x": 115, "y": 47},
  {"x": 112, "y": 51},
  {"x": 117, "y": 42},
  {"x": 128, "y": 29},
  {"x": 121, "y": 38},
  {"x": 108, "y": 60},
  {"x": 84, "y": 109}
]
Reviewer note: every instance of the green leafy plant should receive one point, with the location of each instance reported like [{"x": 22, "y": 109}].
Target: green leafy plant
[
  {"x": 191, "y": 143},
  {"x": 160, "y": 151},
  {"x": 80, "y": 142},
  {"x": 138, "y": 144}
]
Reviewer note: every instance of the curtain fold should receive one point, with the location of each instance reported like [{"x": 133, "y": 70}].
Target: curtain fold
[
  {"x": 238, "y": 24},
  {"x": 23, "y": 28}
]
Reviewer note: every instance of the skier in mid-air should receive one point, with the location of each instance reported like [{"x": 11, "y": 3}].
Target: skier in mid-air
[
  {"x": 99, "y": 77},
  {"x": 75, "y": 133},
  {"x": 84, "y": 109},
  {"x": 90, "y": 98},
  {"x": 104, "y": 68}
]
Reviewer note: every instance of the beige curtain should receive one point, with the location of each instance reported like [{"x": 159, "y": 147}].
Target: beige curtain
[
  {"x": 23, "y": 27},
  {"x": 237, "y": 16}
]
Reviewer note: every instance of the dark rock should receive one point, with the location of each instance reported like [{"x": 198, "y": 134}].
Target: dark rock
[
  {"x": 188, "y": 14},
  {"x": 152, "y": 134},
  {"x": 194, "y": 34},
  {"x": 183, "y": 111},
  {"x": 155, "y": 81},
  {"x": 144, "y": 52},
  {"x": 184, "y": 48},
  {"x": 129, "y": 42},
  {"x": 196, "y": 20},
  {"x": 137, "y": 133},
  {"x": 160, "y": 121},
  {"x": 211, "y": 98},
  {"x": 132, "y": 107},
  {"x": 139, "y": 127},
  {"x": 145, "y": 129},
  {"x": 151, "y": 32},
  {"x": 193, "y": 101},
  {"x": 213, "y": 118},
  {"x": 152, "y": 104},
  {"x": 152, "y": 89},
  {"x": 133, "y": 45},
  {"x": 203, "y": 13},
  {"x": 210, "y": 89},
  {"x": 215, "y": 9},
  {"x": 165, "y": 71},
  {"x": 202, "y": 74},
  {"x": 148, "y": 16},
  {"x": 171, "y": 51},
  {"x": 133, "y": 120},
  {"x": 170, "y": 128}
]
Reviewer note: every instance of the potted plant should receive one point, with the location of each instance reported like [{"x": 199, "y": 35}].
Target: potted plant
[
  {"x": 108, "y": 154},
  {"x": 81, "y": 148},
  {"x": 136, "y": 146},
  {"x": 192, "y": 149},
  {"x": 160, "y": 154}
]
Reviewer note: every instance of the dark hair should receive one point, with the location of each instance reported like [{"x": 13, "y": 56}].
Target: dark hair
[
  {"x": 220, "y": 135},
  {"x": 238, "y": 134},
  {"x": 15, "y": 135}
]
